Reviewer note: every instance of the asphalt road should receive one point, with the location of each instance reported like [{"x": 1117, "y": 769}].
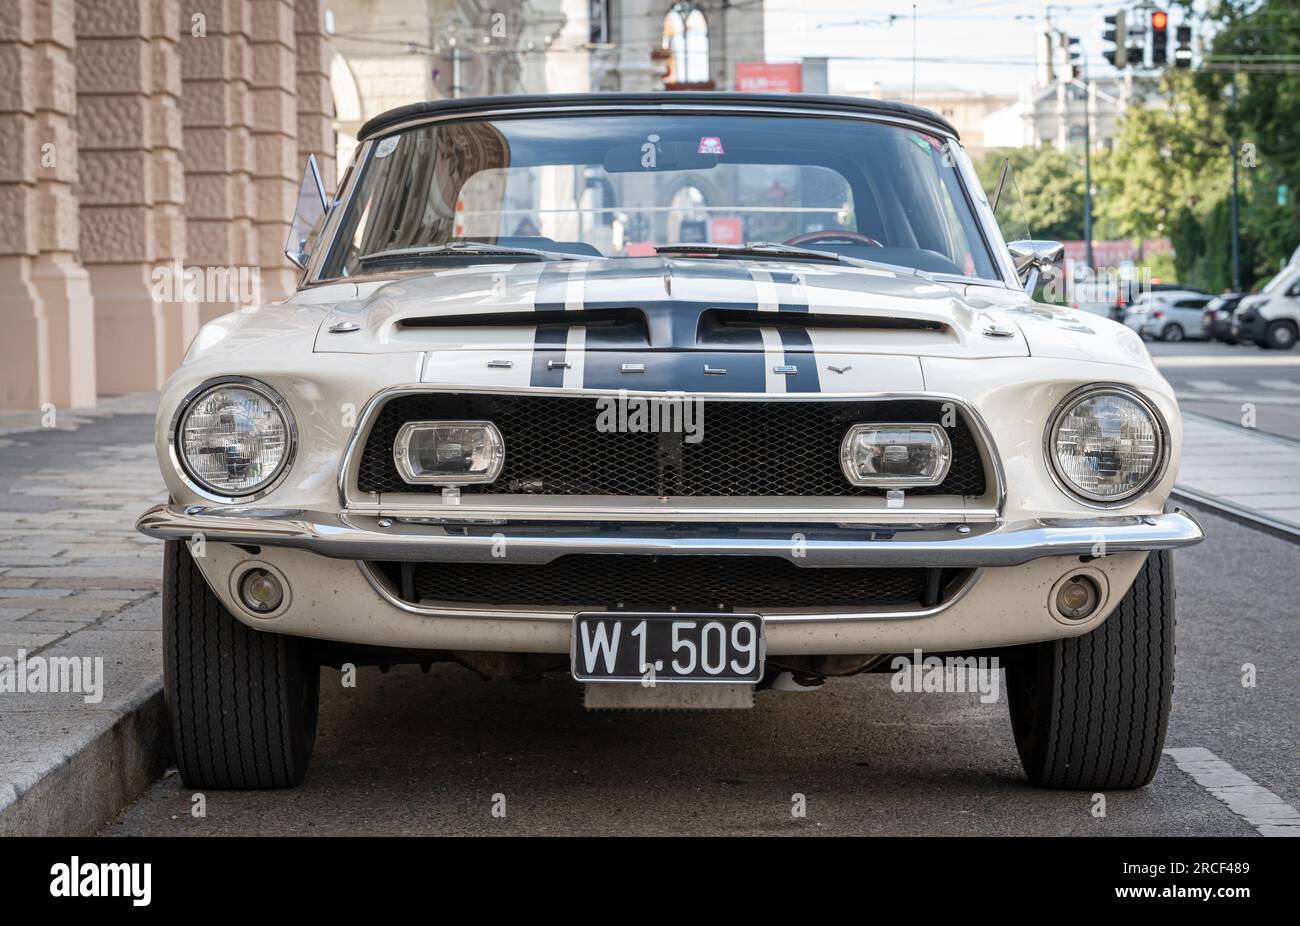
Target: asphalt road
[
  {"x": 407, "y": 753},
  {"x": 1220, "y": 381}
]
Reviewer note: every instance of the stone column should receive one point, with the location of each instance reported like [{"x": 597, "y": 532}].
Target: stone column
[
  {"x": 131, "y": 189},
  {"x": 24, "y": 373},
  {"x": 275, "y": 143},
  {"x": 62, "y": 282},
  {"x": 216, "y": 108},
  {"x": 315, "y": 99},
  {"x": 181, "y": 315}
]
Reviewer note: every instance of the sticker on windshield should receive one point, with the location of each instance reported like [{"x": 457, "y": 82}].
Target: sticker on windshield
[
  {"x": 710, "y": 145},
  {"x": 386, "y": 146},
  {"x": 927, "y": 143}
]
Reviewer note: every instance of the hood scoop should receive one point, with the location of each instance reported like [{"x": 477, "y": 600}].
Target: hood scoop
[
  {"x": 635, "y": 304},
  {"x": 662, "y": 326},
  {"x": 592, "y": 318},
  {"x": 749, "y": 318}
]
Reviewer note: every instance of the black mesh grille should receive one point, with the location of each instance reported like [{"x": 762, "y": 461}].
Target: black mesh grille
[
  {"x": 755, "y": 449},
  {"x": 661, "y": 582}
]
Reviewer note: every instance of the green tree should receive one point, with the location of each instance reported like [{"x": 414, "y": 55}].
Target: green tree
[
  {"x": 1169, "y": 167},
  {"x": 1257, "y": 45},
  {"x": 1047, "y": 193}
]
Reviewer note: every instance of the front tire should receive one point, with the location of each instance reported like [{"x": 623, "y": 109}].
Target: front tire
[
  {"x": 242, "y": 701},
  {"x": 1280, "y": 336},
  {"x": 1090, "y": 712},
  {"x": 1173, "y": 333}
]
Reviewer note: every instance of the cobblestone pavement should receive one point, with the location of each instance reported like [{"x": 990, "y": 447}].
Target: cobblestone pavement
[{"x": 75, "y": 577}]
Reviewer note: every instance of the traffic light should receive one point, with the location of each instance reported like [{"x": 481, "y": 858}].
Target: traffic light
[
  {"x": 1183, "y": 51},
  {"x": 1116, "y": 33},
  {"x": 1072, "y": 63},
  {"x": 1137, "y": 42},
  {"x": 1159, "y": 39}
]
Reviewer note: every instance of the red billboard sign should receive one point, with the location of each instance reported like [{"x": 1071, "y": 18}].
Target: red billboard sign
[{"x": 756, "y": 77}]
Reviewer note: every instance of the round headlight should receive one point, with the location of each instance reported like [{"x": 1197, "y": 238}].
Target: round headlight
[
  {"x": 1106, "y": 445},
  {"x": 234, "y": 439}
]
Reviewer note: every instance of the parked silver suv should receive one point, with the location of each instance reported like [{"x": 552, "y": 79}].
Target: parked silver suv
[{"x": 1168, "y": 315}]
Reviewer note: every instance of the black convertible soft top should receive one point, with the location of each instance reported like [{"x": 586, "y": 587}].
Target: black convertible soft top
[{"x": 393, "y": 117}]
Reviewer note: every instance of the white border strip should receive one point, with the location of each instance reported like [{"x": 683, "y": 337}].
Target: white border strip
[
  {"x": 767, "y": 298},
  {"x": 575, "y": 355},
  {"x": 773, "y": 357},
  {"x": 1258, "y": 806}
]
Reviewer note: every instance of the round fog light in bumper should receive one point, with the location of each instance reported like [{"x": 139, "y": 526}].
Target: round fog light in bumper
[
  {"x": 260, "y": 591},
  {"x": 1077, "y": 597}
]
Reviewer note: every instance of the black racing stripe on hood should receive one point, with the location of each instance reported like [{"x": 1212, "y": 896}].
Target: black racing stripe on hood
[
  {"x": 673, "y": 325},
  {"x": 549, "y": 344},
  {"x": 552, "y": 287},
  {"x": 549, "y": 340},
  {"x": 799, "y": 353},
  {"x": 798, "y": 294}
]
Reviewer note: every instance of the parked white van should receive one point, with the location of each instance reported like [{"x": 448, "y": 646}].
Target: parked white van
[{"x": 1271, "y": 317}]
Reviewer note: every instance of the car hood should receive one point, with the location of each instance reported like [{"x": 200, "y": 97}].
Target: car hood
[{"x": 670, "y": 304}]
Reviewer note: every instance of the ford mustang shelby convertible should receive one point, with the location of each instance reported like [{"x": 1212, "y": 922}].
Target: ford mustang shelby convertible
[{"x": 689, "y": 396}]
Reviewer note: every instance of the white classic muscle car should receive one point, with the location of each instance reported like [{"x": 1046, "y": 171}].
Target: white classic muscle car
[{"x": 686, "y": 395}]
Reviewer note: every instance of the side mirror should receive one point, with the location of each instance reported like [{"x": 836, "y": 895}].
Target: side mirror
[
  {"x": 308, "y": 217},
  {"x": 1032, "y": 257}
]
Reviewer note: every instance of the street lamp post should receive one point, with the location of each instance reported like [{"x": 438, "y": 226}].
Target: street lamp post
[
  {"x": 1236, "y": 209},
  {"x": 1073, "y": 66},
  {"x": 1087, "y": 165}
]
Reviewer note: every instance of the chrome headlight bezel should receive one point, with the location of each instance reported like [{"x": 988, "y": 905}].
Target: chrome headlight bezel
[
  {"x": 1063, "y": 482},
  {"x": 181, "y": 465}
]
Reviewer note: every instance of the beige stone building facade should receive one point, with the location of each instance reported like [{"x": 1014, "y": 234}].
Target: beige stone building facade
[
  {"x": 150, "y": 151},
  {"x": 149, "y": 163}
]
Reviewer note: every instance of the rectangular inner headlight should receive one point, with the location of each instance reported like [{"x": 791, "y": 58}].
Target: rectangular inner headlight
[
  {"x": 899, "y": 455},
  {"x": 449, "y": 452}
]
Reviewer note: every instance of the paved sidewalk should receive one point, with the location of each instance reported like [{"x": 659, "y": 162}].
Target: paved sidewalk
[
  {"x": 1242, "y": 469},
  {"x": 76, "y": 580}
]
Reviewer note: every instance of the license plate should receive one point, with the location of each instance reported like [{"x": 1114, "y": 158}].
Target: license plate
[{"x": 676, "y": 647}]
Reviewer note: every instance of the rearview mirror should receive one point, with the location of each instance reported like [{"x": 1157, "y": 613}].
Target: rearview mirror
[
  {"x": 1032, "y": 257},
  {"x": 659, "y": 156},
  {"x": 308, "y": 217}
]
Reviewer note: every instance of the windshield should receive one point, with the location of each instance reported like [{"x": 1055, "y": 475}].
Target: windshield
[
  {"x": 1276, "y": 283},
  {"x": 616, "y": 186}
]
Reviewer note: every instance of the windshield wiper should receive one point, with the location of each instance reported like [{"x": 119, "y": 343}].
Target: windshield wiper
[
  {"x": 758, "y": 248},
  {"x": 465, "y": 247},
  {"x": 768, "y": 249}
]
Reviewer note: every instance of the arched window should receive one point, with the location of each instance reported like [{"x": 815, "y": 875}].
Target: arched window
[
  {"x": 688, "y": 221},
  {"x": 686, "y": 39}
]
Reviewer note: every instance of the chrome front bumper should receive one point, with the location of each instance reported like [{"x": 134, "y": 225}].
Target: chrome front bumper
[{"x": 367, "y": 537}]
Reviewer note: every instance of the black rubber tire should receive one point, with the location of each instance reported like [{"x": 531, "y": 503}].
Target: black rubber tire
[
  {"x": 1090, "y": 712},
  {"x": 242, "y": 702},
  {"x": 1280, "y": 336},
  {"x": 1173, "y": 333}
]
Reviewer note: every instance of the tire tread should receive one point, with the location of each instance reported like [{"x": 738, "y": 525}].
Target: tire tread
[
  {"x": 1102, "y": 699},
  {"x": 233, "y": 692}
]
